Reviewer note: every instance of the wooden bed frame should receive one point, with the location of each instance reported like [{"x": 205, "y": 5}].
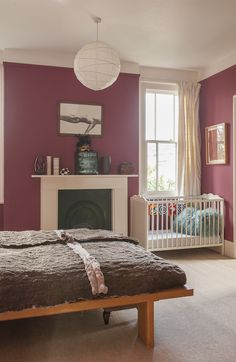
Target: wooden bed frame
[{"x": 144, "y": 302}]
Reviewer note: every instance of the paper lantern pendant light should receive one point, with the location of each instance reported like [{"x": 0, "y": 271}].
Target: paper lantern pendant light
[{"x": 97, "y": 65}]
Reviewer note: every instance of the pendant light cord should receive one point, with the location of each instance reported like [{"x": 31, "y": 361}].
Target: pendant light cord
[{"x": 97, "y": 21}]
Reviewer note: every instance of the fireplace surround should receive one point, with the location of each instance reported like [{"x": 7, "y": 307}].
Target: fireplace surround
[{"x": 50, "y": 185}]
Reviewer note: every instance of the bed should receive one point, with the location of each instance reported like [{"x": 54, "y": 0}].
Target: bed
[{"x": 52, "y": 272}]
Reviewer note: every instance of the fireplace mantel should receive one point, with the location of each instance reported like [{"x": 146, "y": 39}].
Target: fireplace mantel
[
  {"x": 50, "y": 184},
  {"x": 83, "y": 176}
]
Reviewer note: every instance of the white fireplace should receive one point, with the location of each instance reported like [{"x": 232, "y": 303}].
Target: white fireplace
[{"x": 50, "y": 185}]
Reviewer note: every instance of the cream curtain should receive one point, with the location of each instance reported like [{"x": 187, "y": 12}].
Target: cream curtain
[{"x": 189, "y": 151}]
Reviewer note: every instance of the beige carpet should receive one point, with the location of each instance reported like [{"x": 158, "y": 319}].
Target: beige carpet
[{"x": 199, "y": 328}]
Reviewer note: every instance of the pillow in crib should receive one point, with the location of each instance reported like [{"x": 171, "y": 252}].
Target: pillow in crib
[
  {"x": 195, "y": 222},
  {"x": 184, "y": 222},
  {"x": 208, "y": 222}
]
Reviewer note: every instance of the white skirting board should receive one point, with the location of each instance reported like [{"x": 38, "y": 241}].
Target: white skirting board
[{"x": 229, "y": 249}]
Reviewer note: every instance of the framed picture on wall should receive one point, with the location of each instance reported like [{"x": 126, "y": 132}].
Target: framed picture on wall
[
  {"x": 216, "y": 144},
  {"x": 80, "y": 119}
]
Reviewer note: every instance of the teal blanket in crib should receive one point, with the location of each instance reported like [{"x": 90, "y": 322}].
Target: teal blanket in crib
[{"x": 193, "y": 221}]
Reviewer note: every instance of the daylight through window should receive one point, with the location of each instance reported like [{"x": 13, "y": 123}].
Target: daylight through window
[{"x": 160, "y": 141}]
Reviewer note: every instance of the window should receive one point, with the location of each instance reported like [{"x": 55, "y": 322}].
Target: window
[{"x": 159, "y": 133}]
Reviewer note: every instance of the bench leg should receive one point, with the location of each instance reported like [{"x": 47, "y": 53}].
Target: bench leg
[{"x": 146, "y": 323}]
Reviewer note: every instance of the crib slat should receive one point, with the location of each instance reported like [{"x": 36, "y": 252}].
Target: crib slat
[
  {"x": 157, "y": 225},
  {"x": 176, "y": 225},
  {"x": 201, "y": 240},
  {"x": 221, "y": 223},
  {"x": 218, "y": 221},
  {"x": 171, "y": 228},
  {"x": 215, "y": 231},
  {"x": 162, "y": 218},
  {"x": 181, "y": 228},
  {"x": 186, "y": 227},
  {"x": 191, "y": 224},
  {"x": 213, "y": 206},
  {"x": 209, "y": 223},
  {"x": 149, "y": 226},
  {"x": 168, "y": 244},
  {"x": 152, "y": 222}
]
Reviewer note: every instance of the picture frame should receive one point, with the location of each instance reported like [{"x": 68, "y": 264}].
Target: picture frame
[
  {"x": 80, "y": 119},
  {"x": 216, "y": 144}
]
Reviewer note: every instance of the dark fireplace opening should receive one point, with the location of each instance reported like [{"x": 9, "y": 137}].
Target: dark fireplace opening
[{"x": 84, "y": 209}]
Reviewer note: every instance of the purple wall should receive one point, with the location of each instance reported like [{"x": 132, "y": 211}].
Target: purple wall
[
  {"x": 216, "y": 106},
  {"x": 31, "y": 98}
]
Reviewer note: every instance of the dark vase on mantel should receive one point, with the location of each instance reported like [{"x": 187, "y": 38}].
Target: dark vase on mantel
[{"x": 106, "y": 164}]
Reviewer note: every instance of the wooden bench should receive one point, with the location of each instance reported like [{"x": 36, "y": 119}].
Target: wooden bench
[{"x": 144, "y": 302}]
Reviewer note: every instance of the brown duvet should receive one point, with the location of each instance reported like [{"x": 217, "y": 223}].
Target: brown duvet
[{"x": 37, "y": 269}]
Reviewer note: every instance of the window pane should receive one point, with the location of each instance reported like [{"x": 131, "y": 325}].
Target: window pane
[
  {"x": 150, "y": 116},
  {"x": 164, "y": 116},
  {"x": 151, "y": 167},
  {"x": 166, "y": 167}
]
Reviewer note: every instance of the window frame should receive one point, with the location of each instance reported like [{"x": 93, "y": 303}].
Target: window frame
[{"x": 165, "y": 88}]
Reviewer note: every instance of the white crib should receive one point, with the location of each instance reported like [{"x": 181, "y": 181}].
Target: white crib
[{"x": 178, "y": 223}]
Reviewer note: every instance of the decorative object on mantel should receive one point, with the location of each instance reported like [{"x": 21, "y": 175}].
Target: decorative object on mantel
[
  {"x": 86, "y": 160},
  {"x": 40, "y": 165},
  {"x": 80, "y": 119},
  {"x": 84, "y": 143},
  {"x": 97, "y": 65},
  {"x": 56, "y": 162},
  {"x": 105, "y": 164},
  {"x": 65, "y": 171},
  {"x": 49, "y": 165},
  {"x": 216, "y": 144},
  {"x": 126, "y": 168}
]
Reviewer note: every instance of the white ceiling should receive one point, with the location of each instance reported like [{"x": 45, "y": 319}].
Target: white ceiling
[{"x": 180, "y": 34}]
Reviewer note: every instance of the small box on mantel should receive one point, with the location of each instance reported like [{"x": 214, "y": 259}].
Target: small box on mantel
[
  {"x": 56, "y": 162},
  {"x": 49, "y": 165},
  {"x": 126, "y": 168}
]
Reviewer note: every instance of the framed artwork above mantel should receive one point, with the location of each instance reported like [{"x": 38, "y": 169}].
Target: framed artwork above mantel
[
  {"x": 216, "y": 144},
  {"x": 80, "y": 119}
]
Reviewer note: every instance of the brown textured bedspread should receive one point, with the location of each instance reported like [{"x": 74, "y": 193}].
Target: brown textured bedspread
[{"x": 37, "y": 269}]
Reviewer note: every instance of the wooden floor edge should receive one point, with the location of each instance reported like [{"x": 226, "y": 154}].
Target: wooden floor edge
[{"x": 98, "y": 303}]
